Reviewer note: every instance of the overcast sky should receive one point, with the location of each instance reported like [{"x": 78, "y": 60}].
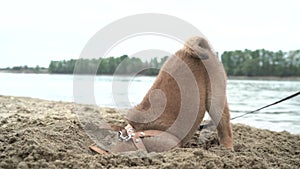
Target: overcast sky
[{"x": 35, "y": 32}]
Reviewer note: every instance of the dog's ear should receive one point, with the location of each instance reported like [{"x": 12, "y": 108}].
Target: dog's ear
[{"x": 198, "y": 47}]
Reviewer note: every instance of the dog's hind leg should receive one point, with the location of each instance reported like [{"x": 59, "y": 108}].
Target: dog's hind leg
[
  {"x": 224, "y": 128},
  {"x": 219, "y": 112}
]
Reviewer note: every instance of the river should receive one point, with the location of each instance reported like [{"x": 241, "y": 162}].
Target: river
[{"x": 243, "y": 96}]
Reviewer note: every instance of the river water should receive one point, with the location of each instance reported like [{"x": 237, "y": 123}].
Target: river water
[{"x": 243, "y": 95}]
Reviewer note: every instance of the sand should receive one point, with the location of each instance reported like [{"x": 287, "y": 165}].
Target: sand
[{"x": 46, "y": 134}]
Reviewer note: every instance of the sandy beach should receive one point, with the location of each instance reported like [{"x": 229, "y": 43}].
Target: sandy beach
[{"x": 46, "y": 134}]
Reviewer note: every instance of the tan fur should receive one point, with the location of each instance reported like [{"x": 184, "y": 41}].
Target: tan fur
[{"x": 173, "y": 104}]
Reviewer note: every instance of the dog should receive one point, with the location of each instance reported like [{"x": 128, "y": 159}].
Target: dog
[{"x": 190, "y": 82}]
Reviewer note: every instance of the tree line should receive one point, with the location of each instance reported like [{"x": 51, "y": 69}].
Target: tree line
[
  {"x": 122, "y": 65},
  {"x": 236, "y": 63},
  {"x": 25, "y": 69},
  {"x": 261, "y": 63}
]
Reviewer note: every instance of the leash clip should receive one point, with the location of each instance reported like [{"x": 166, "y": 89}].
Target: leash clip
[{"x": 126, "y": 138}]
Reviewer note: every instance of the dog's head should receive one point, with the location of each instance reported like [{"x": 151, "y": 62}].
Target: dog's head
[{"x": 197, "y": 47}]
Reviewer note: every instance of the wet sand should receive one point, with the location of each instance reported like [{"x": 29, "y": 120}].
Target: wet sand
[{"x": 46, "y": 134}]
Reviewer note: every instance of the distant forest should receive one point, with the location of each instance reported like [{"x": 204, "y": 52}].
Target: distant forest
[
  {"x": 261, "y": 63},
  {"x": 236, "y": 63},
  {"x": 123, "y": 65}
]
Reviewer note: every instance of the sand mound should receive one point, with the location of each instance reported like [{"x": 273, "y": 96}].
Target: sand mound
[{"x": 44, "y": 134}]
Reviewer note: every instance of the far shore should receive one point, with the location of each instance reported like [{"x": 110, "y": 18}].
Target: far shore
[{"x": 289, "y": 78}]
